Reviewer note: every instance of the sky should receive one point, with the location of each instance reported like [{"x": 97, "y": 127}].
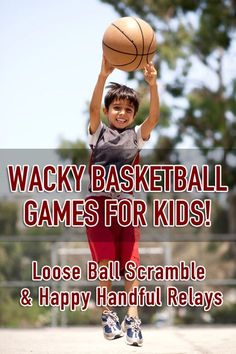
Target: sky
[{"x": 50, "y": 58}]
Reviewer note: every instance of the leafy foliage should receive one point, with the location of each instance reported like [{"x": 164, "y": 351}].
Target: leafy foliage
[
  {"x": 8, "y": 218},
  {"x": 76, "y": 151}
]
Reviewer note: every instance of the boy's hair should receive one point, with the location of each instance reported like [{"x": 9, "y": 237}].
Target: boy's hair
[{"x": 121, "y": 92}]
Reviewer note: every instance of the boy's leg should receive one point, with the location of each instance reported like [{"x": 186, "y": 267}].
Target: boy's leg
[
  {"x": 131, "y": 323},
  {"x": 129, "y": 286},
  {"x": 110, "y": 320},
  {"x": 103, "y": 249},
  {"x": 130, "y": 251},
  {"x": 105, "y": 283}
]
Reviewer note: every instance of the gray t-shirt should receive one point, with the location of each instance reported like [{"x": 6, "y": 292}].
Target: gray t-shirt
[
  {"x": 93, "y": 138},
  {"x": 115, "y": 147}
]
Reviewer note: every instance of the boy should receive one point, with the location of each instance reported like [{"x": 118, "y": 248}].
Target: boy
[{"x": 118, "y": 144}]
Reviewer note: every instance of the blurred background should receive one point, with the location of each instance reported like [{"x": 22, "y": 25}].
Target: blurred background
[{"x": 51, "y": 55}]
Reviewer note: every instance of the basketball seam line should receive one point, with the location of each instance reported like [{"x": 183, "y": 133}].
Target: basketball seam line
[
  {"x": 136, "y": 49},
  {"x": 119, "y": 51},
  {"x": 126, "y": 37},
  {"x": 142, "y": 39},
  {"x": 150, "y": 45}
]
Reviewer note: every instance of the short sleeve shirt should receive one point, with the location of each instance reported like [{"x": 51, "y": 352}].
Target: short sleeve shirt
[
  {"x": 93, "y": 138},
  {"x": 117, "y": 147}
]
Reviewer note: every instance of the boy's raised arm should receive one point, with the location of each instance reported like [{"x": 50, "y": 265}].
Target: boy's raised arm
[
  {"x": 151, "y": 121},
  {"x": 95, "y": 104}
]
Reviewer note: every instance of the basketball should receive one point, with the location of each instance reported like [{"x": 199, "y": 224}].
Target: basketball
[{"x": 129, "y": 43}]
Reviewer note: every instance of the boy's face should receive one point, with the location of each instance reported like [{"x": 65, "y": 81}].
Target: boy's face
[{"x": 120, "y": 114}]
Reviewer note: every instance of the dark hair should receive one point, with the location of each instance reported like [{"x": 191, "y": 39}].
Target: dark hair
[{"x": 121, "y": 92}]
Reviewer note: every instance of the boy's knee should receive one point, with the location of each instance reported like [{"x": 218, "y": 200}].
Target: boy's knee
[{"x": 103, "y": 262}]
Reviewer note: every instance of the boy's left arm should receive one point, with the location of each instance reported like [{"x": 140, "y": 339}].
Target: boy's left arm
[{"x": 150, "y": 75}]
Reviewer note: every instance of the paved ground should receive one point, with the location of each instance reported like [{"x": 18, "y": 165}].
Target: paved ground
[{"x": 89, "y": 340}]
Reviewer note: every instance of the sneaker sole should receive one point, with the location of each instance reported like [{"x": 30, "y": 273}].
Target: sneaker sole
[
  {"x": 115, "y": 337},
  {"x": 135, "y": 344}
]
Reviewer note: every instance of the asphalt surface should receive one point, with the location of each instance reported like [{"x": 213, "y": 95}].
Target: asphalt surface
[{"x": 89, "y": 340}]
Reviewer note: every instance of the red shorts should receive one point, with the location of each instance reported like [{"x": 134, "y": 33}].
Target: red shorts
[{"x": 115, "y": 243}]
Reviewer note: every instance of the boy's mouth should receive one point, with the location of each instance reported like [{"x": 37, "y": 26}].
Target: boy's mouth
[{"x": 121, "y": 120}]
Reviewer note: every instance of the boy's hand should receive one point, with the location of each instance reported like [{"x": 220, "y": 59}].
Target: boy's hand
[
  {"x": 150, "y": 74},
  {"x": 106, "y": 68}
]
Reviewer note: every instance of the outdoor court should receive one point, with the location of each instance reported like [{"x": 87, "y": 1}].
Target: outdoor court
[{"x": 89, "y": 340}]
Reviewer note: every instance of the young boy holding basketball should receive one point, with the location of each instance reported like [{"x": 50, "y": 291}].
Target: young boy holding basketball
[{"x": 118, "y": 144}]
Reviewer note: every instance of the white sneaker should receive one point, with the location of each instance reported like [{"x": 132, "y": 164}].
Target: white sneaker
[
  {"x": 111, "y": 325},
  {"x": 131, "y": 325}
]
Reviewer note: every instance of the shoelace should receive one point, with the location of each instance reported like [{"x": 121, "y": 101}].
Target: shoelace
[
  {"x": 135, "y": 324},
  {"x": 112, "y": 317}
]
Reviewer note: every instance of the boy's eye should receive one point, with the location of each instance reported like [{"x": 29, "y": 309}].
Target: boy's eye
[{"x": 118, "y": 108}]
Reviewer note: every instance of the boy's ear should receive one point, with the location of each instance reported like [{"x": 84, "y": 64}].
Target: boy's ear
[{"x": 105, "y": 111}]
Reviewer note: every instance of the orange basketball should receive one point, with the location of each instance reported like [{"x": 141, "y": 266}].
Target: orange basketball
[{"x": 129, "y": 43}]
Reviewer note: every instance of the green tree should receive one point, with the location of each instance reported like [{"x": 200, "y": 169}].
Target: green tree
[
  {"x": 74, "y": 151},
  {"x": 8, "y": 218}
]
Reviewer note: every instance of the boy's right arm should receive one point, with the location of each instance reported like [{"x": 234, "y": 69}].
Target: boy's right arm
[{"x": 95, "y": 104}]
